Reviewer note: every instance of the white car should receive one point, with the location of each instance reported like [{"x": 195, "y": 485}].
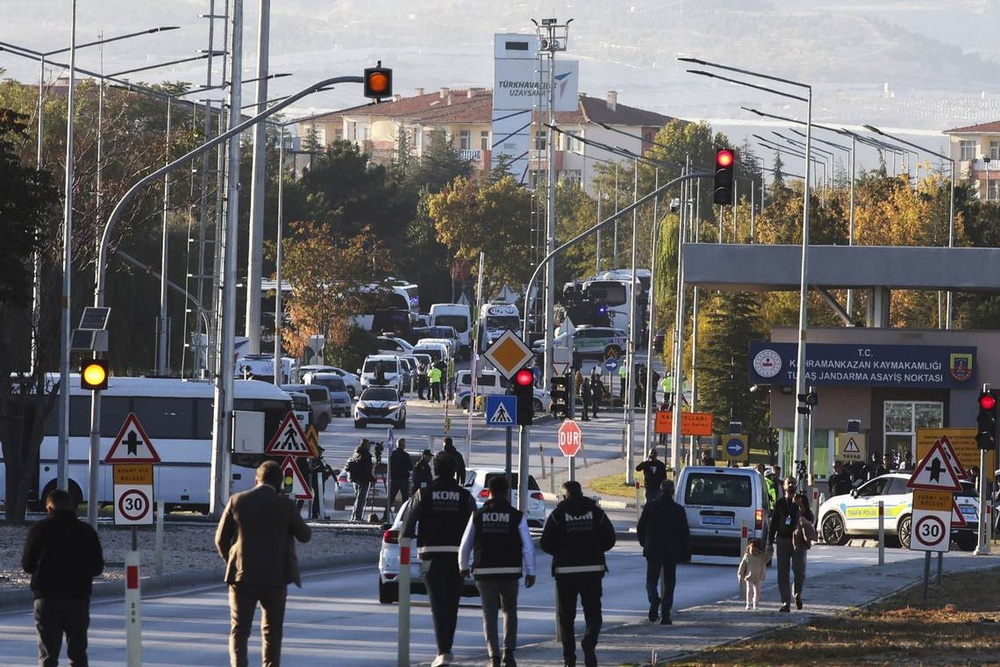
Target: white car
[
  {"x": 350, "y": 379},
  {"x": 388, "y": 564},
  {"x": 856, "y": 514},
  {"x": 477, "y": 482},
  {"x": 380, "y": 405}
]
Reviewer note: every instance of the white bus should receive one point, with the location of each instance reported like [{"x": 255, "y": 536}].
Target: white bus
[{"x": 177, "y": 417}]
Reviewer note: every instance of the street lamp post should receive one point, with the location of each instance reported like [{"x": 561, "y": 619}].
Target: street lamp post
[
  {"x": 224, "y": 381},
  {"x": 800, "y": 359},
  {"x": 951, "y": 206}
]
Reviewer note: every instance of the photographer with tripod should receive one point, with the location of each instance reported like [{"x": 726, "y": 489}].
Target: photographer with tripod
[{"x": 361, "y": 469}]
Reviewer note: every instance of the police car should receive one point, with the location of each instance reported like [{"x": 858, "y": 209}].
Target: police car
[
  {"x": 856, "y": 514},
  {"x": 591, "y": 341},
  {"x": 388, "y": 564}
]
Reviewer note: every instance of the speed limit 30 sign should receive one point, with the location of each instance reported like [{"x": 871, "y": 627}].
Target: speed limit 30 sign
[
  {"x": 930, "y": 523},
  {"x": 133, "y": 494}
]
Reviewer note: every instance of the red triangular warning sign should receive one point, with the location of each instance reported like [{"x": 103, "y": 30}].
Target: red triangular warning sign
[
  {"x": 957, "y": 518},
  {"x": 935, "y": 472},
  {"x": 295, "y": 484},
  {"x": 135, "y": 443},
  {"x": 290, "y": 439}
]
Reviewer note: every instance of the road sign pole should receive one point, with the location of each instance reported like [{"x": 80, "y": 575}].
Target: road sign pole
[
  {"x": 508, "y": 454},
  {"x": 984, "y": 542}
]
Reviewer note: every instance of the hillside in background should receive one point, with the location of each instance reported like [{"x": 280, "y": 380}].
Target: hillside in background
[{"x": 922, "y": 64}]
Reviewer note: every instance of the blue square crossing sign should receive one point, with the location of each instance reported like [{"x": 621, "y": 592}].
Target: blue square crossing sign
[{"x": 501, "y": 410}]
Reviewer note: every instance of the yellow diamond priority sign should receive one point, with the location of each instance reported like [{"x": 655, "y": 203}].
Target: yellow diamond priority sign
[{"x": 509, "y": 354}]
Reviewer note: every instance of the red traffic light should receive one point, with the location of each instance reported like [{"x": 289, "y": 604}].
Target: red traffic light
[
  {"x": 987, "y": 401},
  {"x": 724, "y": 158},
  {"x": 524, "y": 378}
]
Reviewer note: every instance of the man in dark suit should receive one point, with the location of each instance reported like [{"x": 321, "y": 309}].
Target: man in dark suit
[
  {"x": 665, "y": 539},
  {"x": 256, "y": 537}
]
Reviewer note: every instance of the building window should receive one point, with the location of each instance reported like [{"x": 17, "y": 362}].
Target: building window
[
  {"x": 540, "y": 136},
  {"x": 484, "y": 140},
  {"x": 902, "y": 419},
  {"x": 967, "y": 149},
  {"x": 994, "y": 150},
  {"x": 464, "y": 140}
]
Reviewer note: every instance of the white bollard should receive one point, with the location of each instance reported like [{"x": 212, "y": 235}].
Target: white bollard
[
  {"x": 133, "y": 610},
  {"x": 403, "y": 643}
]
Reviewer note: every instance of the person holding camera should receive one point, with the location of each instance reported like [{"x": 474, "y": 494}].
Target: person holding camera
[
  {"x": 362, "y": 473},
  {"x": 784, "y": 521}
]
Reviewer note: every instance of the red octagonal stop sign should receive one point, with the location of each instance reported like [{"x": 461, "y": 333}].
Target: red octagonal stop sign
[{"x": 570, "y": 438}]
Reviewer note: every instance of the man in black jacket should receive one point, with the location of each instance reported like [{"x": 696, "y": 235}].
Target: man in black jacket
[
  {"x": 577, "y": 534},
  {"x": 499, "y": 544},
  {"x": 784, "y": 519},
  {"x": 654, "y": 471},
  {"x": 666, "y": 541},
  {"x": 63, "y": 555},
  {"x": 400, "y": 466},
  {"x": 438, "y": 516}
]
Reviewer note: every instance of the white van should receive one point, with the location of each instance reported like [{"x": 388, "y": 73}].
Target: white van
[
  {"x": 392, "y": 367},
  {"x": 718, "y": 503},
  {"x": 458, "y": 315},
  {"x": 489, "y": 383}
]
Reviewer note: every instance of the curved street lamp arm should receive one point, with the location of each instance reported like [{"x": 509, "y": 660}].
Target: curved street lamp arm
[{"x": 102, "y": 258}]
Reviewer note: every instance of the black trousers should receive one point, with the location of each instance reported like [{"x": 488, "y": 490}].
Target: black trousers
[
  {"x": 444, "y": 590},
  {"x": 55, "y": 617},
  {"x": 586, "y": 587},
  {"x": 655, "y": 569}
]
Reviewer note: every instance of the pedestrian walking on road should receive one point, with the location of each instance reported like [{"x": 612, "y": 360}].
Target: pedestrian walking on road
[
  {"x": 400, "y": 467},
  {"x": 437, "y": 517},
  {"x": 578, "y": 533},
  {"x": 434, "y": 377},
  {"x": 256, "y": 537},
  {"x": 361, "y": 470},
  {"x": 63, "y": 555},
  {"x": 752, "y": 571},
  {"x": 449, "y": 448},
  {"x": 666, "y": 541},
  {"x": 422, "y": 473},
  {"x": 654, "y": 471},
  {"x": 498, "y": 543},
  {"x": 784, "y": 520}
]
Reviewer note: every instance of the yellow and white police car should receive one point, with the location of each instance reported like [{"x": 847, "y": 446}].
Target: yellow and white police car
[{"x": 856, "y": 514}]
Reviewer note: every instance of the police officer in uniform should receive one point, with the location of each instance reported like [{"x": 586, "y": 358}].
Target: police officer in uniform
[
  {"x": 441, "y": 511},
  {"x": 577, "y": 534},
  {"x": 498, "y": 540}
]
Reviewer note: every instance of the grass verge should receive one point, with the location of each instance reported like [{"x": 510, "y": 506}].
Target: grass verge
[{"x": 959, "y": 625}]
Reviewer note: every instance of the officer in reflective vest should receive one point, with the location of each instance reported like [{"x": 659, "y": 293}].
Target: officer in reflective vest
[
  {"x": 441, "y": 511},
  {"x": 498, "y": 540},
  {"x": 577, "y": 534}
]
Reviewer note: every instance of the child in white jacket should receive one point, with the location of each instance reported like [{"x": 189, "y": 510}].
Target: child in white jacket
[{"x": 753, "y": 569}]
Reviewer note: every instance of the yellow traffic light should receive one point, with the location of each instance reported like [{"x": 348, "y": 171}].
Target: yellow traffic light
[
  {"x": 378, "y": 82},
  {"x": 94, "y": 375}
]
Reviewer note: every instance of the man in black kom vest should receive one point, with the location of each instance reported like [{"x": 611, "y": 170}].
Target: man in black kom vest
[
  {"x": 499, "y": 542},
  {"x": 441, "y": 511}
]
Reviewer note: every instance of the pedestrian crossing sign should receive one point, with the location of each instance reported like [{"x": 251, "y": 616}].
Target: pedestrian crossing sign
[
  {"x": 501, "y": 410},
  {"x": 290, "y": 440}
]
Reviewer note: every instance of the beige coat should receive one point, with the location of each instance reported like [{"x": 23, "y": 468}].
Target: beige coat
[
  {"x": 753, "y": 567},
  {"x": 256, "y": 537}
]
